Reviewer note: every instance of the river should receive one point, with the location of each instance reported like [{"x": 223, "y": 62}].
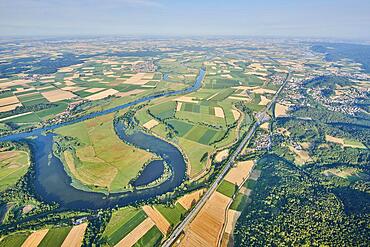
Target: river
[{"x": 53, "y": 184}]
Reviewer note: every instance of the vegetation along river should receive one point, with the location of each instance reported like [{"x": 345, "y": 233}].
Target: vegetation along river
[{"x": 53, "y": 184}]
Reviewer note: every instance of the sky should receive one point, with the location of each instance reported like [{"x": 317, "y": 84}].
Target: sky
[{"x": 347, "y": 19}]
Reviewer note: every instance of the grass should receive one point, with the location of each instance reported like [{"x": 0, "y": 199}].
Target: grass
[
  {"x": 181, "y": 127},
  {"x": 14, "y": 240},
  {"x": 164, "y": 110},
  {"x": 143, "y": 116},
  {"x": 31, "y": 97},
  {"x": 12, "y": 167},
  {"x": 238, "y": 202},
  {"x": 226, "y": 188},
  {"x": 35, "y": 102},
  {"x": 250, "y": 184},
  {"x": 29, "y": 118},
  {"x": 204, "y": 135},
  {"x": 191, "y": 107},
  {"x": 152, "y": 238},
  {"x": 122, "y": 223},
  {"x": 172, "y": 214},
  {"x": 222, "y": 95},
  {"x": 103, "y": 160},
  {"x": 195, "y": 152},
  {"x": 61, "y": 106},
  {"x": 55, "y": 237},
  {"x": 200, "y": 118},
  {"x": 354, "y": 144}
]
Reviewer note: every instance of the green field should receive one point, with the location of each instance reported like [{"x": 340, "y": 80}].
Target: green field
[
  {"x": 51, "y": 112},
  {"x": 55, "y": 237},
  {"x": 13, "y": 165},
  {"x": 14, "y": 240},
  {"x": 152, "y": 238},
  {"x": 102, "y": 160},
  {"x": 172, "y": 214},
  {"x": 181, "y": 127},
  {"x": 250, "y": 184},
  {"x": 226, "y": 188},
  {"x": 201, "y": 118},
  {"x": 238, "y": 202},
  {"x": 163, "y": 110},
  {"x": 35, "y": 102},
  {"x": 29, "y": 118},
  {"x": 195, "y": 152},
  {"x": 123, "y": 221},
  {"x": 204, "y": 135},
  {"x": 354, "y": 144}
]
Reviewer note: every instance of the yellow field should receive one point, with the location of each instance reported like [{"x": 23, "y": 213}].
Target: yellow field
[
  {"x": 102, "y": 95},
  {"x": 220, "y": 156},
  {"x": 35, "y": 238},
  {"x": 236, "y": 114},
  {"x": 57, "y": 95},
  {"x": 206, "y": 228},
  {"x": 150, "y": 124},
  {"x": 301, "y": 156},
  {"x": 344, "y": 143},
  {"x": 9, "y": 100},
  {"x": 232, "y": 217},
  {"x": 219, "y": 112},
  {"x": 188, "y": 200},
  {"x": 178, "y": 106},
  {"x": 264, "y": 100},
  {"x": 265, "y": 126},
  {"x": 238, "y": 174},
  {"x": 139, "y": 231},
  {"x": 281, "y": 110},
  {"x": 75, "y": 236},
  {"x": 158, "y": 219}
]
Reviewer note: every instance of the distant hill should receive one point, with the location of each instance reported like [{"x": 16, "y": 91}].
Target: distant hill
[{"x": 336, "y": 51}]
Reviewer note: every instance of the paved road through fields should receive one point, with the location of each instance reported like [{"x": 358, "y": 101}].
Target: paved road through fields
[{"x": 261, "y": 118}]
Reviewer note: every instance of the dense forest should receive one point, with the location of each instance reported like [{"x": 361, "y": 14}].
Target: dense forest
[{"x": 289, "y": 207}]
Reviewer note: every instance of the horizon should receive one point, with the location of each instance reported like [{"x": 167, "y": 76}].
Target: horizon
[{"x": 315, "y": 19}]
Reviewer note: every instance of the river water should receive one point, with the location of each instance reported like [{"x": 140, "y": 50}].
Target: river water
[{"x": 53, "y": 184}]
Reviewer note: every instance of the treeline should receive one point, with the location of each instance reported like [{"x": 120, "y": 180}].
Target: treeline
[{"x": 291, "y": 208}]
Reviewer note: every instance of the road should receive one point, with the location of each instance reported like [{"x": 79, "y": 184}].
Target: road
[{"x": 261, "y": 118}]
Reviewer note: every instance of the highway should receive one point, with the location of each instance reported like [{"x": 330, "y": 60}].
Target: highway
[{"x": 261, "y": 118}]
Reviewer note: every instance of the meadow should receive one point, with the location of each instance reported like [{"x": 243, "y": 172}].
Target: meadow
[
  {"x": 173, "y": 214},
  {"x": 101, "y": 148},
  {"x": 13, "y": 165},
  {"x": 16, "y": 239}
]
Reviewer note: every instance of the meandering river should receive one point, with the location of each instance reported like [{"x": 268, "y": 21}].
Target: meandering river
[{"x": 52, "y": 183}]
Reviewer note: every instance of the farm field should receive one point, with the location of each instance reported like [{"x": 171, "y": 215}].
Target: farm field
[
  {"x": 172, "y": 214},
  {"x": 205, "y": 229},
  {"x": 55, "y": 237},
  {"x": 157, "y": 217},
  {"x": 75, "y": 236},
  {"x": 344, "y": 142},
  {"x": 35, "y": 238},
  {"x": 306, "y": 154},
  {"x": 188, "y": 200},
  {"x": 13, "y": 165},
  {"x": 16, "y": 239},
  {"x": 203, "y": 121},
  {"x": 122, "y": 222},
  {"x": 102, "y": 148}
]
